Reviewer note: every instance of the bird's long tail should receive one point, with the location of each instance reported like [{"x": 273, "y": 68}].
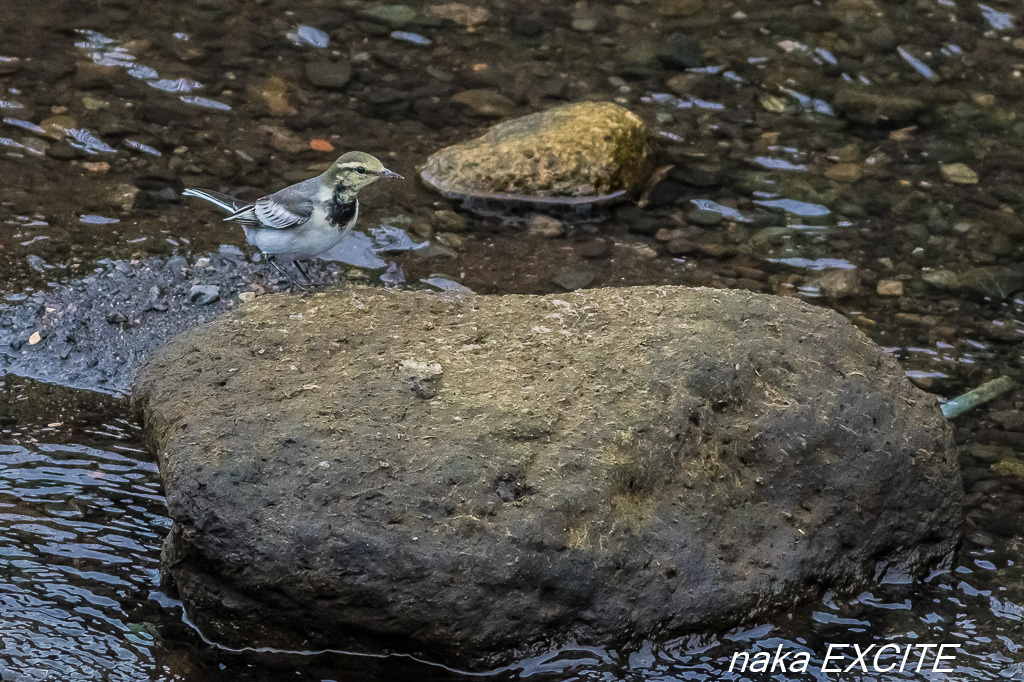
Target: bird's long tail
[{"x": 221, "y": 201}]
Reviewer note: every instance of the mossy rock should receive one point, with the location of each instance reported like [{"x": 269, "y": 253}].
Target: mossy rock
[{"x": 588, "y": 152}]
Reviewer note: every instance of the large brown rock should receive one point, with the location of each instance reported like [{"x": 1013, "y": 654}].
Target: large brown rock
[{"x": 471, "y": 478}]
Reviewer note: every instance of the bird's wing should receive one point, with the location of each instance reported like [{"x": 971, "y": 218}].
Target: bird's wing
[
  {"x": 221, "y": 201},
  {"x": 283, "y": 209}
]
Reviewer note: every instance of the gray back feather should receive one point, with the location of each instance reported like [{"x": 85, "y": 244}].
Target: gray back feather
[{"x": 285, "y": 208}]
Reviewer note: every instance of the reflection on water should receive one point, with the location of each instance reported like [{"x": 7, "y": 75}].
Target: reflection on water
[{"x": 105, "y": 51}]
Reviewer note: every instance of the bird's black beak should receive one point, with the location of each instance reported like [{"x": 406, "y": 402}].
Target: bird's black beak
[{"x": 390, "y": 174}]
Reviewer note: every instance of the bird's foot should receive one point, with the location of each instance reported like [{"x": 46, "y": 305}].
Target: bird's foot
[{"x": 293, "y": 284}]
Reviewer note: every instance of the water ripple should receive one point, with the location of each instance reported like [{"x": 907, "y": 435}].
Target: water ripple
[{"x": 72, "y": 585}]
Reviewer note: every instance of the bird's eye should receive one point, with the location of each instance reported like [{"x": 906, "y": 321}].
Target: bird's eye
[{"x": 360, "y": 170}]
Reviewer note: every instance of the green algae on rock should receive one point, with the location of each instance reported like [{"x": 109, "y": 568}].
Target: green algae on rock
[{"x": 588, "y": 152}]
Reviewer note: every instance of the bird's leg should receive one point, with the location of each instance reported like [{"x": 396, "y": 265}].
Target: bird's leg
[
  {"x": 304, "y": 271},
  {"x": 281, "y": 270}
]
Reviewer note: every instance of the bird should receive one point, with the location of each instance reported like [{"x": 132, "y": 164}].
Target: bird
[{"x": 308, "y": 218}]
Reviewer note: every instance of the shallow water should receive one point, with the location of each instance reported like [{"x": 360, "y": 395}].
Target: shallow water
[
  {"x": 814, "y": 151},
  {"x": 81, "y": 598}
]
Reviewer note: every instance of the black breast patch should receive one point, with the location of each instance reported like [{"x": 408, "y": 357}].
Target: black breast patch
[{"x": 340, "y": 211}]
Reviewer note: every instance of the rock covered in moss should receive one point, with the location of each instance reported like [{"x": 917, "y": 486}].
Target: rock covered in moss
[
  {"x": 470, "y": 479},
  {"x": 577, "y": 153}
]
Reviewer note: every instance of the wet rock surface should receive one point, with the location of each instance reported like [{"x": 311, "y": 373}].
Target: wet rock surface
[
  {"x": 95, "y": 332},
  {"x": 575, "y": 153},
  {"x": 468, "y": 477}
]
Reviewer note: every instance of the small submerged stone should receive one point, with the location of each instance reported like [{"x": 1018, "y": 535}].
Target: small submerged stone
[
  {"x": 328, "y": 75},
  {"x": 527, "y": 26},
  {"x": 679, "y": 8},
  {"x": 844, "y": 172},
  {"x": 958, "y": 174},
  {"x": 541, "y": 225},
  {"x": 584, "y": 24},
  {"x": 580, "y": 153},
  {"x": 997, "y": 282},
  {"x": 703, "y": 217},
  {"x": 837, "y": 283},
  {"x": 889, "y": 287},
  {"x": 448, "y": 221},
  {"x": 462, "y": 14},
  {"x": 869, "y": 106},
  {"x": 393, "y": 16},
  {"x": 594, "y": 248},
  {"x": 571, "y": 279},
  {"x": 1009, "y": 467},
  {"x": 682, "y": 51},
  {"x": 484, "y": 103}
]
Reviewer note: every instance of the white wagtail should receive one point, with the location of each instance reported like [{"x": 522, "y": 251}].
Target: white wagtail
[{"x": 308, "y": 218}]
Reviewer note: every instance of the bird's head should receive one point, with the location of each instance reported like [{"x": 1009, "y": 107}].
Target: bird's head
[{"x": 355, "y": 170}]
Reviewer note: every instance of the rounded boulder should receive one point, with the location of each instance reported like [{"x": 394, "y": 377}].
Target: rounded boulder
[{"x": 472, "y": 479}]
